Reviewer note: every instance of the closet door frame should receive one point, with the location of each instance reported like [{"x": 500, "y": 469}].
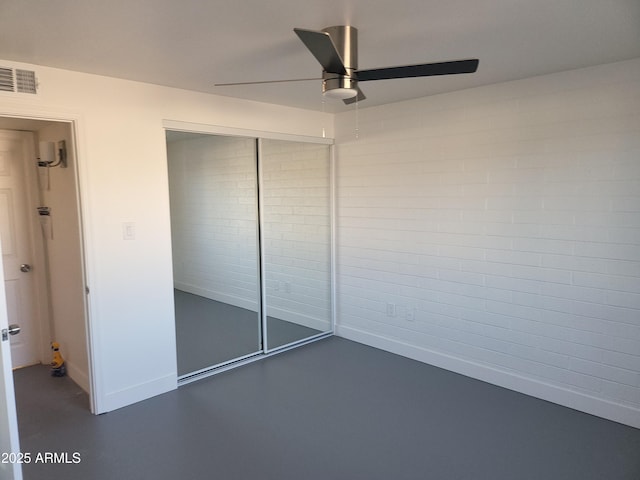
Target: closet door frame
[{"x": 172, "y": 125}]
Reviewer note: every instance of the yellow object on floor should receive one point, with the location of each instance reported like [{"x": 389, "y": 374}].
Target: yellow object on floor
[{"x": 58, "y": 368}]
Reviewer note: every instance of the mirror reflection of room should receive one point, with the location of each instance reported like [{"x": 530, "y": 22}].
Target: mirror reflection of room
[
  {"x": 213, "y": 194},
  {"x": 297, "y": 239},
  {"x": 251, "y": 252}
]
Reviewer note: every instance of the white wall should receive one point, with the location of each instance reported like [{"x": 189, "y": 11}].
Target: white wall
[
  {"x": 66, "y": 287},
  {"x": 123, "y": 179},
  {"x": 496, "y": 232}
]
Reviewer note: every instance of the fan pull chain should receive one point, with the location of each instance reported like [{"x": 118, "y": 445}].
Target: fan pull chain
[
  {"x": 323, "y": 112},
  {"x": 357, "y": 121}
]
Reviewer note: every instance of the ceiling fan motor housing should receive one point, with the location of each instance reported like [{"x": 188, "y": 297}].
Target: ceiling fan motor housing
[{"x": 345, "y": 39}]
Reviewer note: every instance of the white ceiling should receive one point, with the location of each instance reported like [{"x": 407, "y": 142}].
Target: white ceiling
[{"x": 193, "y": 44}]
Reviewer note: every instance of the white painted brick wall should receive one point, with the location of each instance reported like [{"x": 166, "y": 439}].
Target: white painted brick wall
[
  {"x": 213, "y": 218},
  {"x": 496, "y": 232}
]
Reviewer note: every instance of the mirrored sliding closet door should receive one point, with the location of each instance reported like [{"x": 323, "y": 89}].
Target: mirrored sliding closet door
[
  {"x": 296, "y": 236},
  {"x": 213, "y": 194},
  {"x": 252, "y": 240}
]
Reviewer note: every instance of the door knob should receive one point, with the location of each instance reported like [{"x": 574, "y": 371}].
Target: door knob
[
  {"x": 12, "y": 330},
  {"x": 25, "y": 267}
]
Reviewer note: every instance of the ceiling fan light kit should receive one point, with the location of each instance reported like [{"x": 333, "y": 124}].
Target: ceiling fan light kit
[
  {"x": 336, "y": 49},
  {"x": 338, "y": 87}
]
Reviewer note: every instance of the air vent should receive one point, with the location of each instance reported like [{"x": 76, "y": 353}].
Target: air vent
[
  {"x": 6, "y": 79},
  {"x": 25, "y": 81},
  {"x": 20, "y": 81}
]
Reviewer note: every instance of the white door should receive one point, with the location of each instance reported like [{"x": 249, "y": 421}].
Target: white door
[
  {"x": 17, "y": 245},
  {"x": 10, "y": 468}
]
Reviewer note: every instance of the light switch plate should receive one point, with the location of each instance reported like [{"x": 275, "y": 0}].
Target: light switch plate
[{"x": 129, "y": 231}]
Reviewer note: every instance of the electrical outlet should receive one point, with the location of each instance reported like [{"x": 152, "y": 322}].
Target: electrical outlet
[
  {"x": 391, "y": 309},
  {"x": 410, "y": 314}
]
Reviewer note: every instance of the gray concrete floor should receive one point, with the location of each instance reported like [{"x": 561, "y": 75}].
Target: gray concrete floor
[{"x": 331, "y": 410}]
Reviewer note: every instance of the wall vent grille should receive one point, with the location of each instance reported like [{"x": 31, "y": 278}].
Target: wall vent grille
[
  {"x": 19, "y": 81},
  {"x": 6, "y": 80},
  {"x": 25, "y": 81}
]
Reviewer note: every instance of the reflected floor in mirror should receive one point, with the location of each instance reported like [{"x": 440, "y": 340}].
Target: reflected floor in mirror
[{"x": 209, "y": 332}]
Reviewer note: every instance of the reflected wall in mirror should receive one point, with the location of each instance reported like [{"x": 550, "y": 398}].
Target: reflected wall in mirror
[
  {"x": 296, "y": 239},
  {"x": 213, "y": 195}
]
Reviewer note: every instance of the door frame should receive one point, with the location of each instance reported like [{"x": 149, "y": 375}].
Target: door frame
[{"x": 76, "y": 145}]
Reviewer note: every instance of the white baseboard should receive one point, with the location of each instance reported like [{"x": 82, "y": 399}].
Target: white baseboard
[
  {"x": 282, "y": 314},
  {"x": 137, "y": 393},
  {"x": 78, "y": 375},
  {"x": 217, "y": 296},
  {"x": 299, "y": 319},
  {"x": 599, "y": 407}
]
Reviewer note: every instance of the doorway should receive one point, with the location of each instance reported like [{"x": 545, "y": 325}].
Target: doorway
[
  {"x": 252, "y": 246},
  {"x": 45, "y": 199}
]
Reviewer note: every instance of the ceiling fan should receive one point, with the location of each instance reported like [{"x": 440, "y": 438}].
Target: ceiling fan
[{"x": 336, "y": 49}]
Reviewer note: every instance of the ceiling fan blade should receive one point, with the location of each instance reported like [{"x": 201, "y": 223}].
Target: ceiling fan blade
[
  {"x": 265, "y": 81},
  {"x": 358, "y": 98},
  {"x": 323, "y": 48},
  {"x": 422, "y": 70}
]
